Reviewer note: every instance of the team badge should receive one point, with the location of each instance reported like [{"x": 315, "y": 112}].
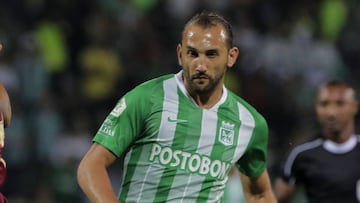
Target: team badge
[
  {"x": 226, "y": 133},
  {"x": 119, "y": 108}
]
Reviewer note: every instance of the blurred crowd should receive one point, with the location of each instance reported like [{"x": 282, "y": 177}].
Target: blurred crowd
[{"x": 66, "y": 63}]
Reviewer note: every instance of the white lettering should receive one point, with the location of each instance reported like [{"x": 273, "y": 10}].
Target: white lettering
[
  {"x": 224, "y": 170},
  {"x": 176, "y": 157},
  {"x": 195, "y": 158},
  {"x": 107, "y": 130},
  {"x": 165, "y": 155},
  {"x": 186, "y": 155},
  {"x": 215, "y": 168},
  {"x": 156, "y": 149},
  {"x": 195, "y": 163},
  {"x": 205, "y": 163}
]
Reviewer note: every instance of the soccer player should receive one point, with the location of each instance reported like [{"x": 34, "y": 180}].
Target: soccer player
[
  {"x": 328, "y": 166},
  {"x": 181, "y": 133}
]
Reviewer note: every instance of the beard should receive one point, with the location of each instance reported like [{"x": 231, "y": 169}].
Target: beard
[{"x": 202, "y": 83}]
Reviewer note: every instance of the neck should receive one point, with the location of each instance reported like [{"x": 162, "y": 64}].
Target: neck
[{"x": 207, "y": 100}]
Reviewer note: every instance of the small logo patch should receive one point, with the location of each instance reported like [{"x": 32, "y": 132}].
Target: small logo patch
[
  {"x": 226, "y": 133},
  {"x": 107, "y": 128},
  {"x": 119, "y": 108},
  {"x": 172, "y": 120}
]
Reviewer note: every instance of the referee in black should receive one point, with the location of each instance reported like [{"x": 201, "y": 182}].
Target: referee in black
[{"x": 328, "y": 167}]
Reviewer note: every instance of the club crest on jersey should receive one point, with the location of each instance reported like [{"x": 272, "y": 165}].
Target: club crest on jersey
[
  {"x": 119, "y": 108},
  {"x": 226, "y": 133}
]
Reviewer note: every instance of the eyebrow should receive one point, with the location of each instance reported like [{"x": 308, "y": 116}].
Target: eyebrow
[
  {"x": 190, "y": 47},
  {"x": 194, "y": 49}
]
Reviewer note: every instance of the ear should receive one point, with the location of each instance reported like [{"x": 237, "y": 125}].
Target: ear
[
  {"x": 232, "y": 57},
  {"x": 356, "y": 107},
  {"x": 179, "y": 54}
]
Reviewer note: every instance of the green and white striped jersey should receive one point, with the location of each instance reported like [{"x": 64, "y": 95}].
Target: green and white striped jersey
[{"x": 177, "y": 151}]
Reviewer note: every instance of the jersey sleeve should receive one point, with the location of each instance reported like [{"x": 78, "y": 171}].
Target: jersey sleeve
[
  {"x": 253, "y": 162},
  {"x": 290, "y": 168},
  {"x": 124, "y": 123}
]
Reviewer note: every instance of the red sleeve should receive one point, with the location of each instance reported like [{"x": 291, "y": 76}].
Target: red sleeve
[{"x": 3, "y": 198}]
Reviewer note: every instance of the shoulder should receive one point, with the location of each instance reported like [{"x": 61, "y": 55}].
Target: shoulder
[
  {"x": 154, "y": 82},
  {"x": 151, "y": 86},
  {"x": 302, "y": 149},
  {"x": 146, "y": 94},
  {"x": 306, "y": 146}
]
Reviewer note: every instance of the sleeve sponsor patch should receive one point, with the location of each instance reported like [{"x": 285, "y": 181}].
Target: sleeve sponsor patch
[
  {"x": 107, "y": 128},
  {"x": 119, "y": 108}
]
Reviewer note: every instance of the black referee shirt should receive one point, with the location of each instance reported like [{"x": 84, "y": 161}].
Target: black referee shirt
[{"x": 330, "y": 172}]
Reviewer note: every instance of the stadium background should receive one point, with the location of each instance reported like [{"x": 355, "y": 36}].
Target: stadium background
[{"x": 65, "y": 64}]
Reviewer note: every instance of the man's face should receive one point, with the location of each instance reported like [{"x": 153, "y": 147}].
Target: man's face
[
  {"x": 204, "y": 57},
  {"x": 336, "y": 108}
]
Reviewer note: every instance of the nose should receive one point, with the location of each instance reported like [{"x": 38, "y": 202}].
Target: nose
[
  {"x": 331, "y": 113},
  {"x": 201, "y": 64}
]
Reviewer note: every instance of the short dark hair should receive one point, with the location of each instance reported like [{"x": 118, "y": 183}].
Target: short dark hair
[
  {"x": 207, "y": 19},
  {"x": 338, "y": 82}
]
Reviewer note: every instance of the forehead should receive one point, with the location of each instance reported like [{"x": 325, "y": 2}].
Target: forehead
[
  {"x": 195, "y": 35},
  {"x": 337, "y": 92}
]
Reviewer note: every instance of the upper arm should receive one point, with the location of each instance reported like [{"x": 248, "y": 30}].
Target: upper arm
[
  {"x": 93, "y": 177},
  {"x": 97, "y": 156}
]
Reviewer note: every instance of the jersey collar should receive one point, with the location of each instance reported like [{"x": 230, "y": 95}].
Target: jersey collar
[{"x": 342, "y": 148}]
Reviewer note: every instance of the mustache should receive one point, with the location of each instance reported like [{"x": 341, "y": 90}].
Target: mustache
[{"x": 200, "y": 75}]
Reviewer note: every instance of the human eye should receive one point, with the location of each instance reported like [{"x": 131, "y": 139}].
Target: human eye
[
  {"x": 212, "y": 53},
  {"x": 340, "y": 103},
  {"x": 192, "y": 53},
  {"x": 323, "y": 103}
]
